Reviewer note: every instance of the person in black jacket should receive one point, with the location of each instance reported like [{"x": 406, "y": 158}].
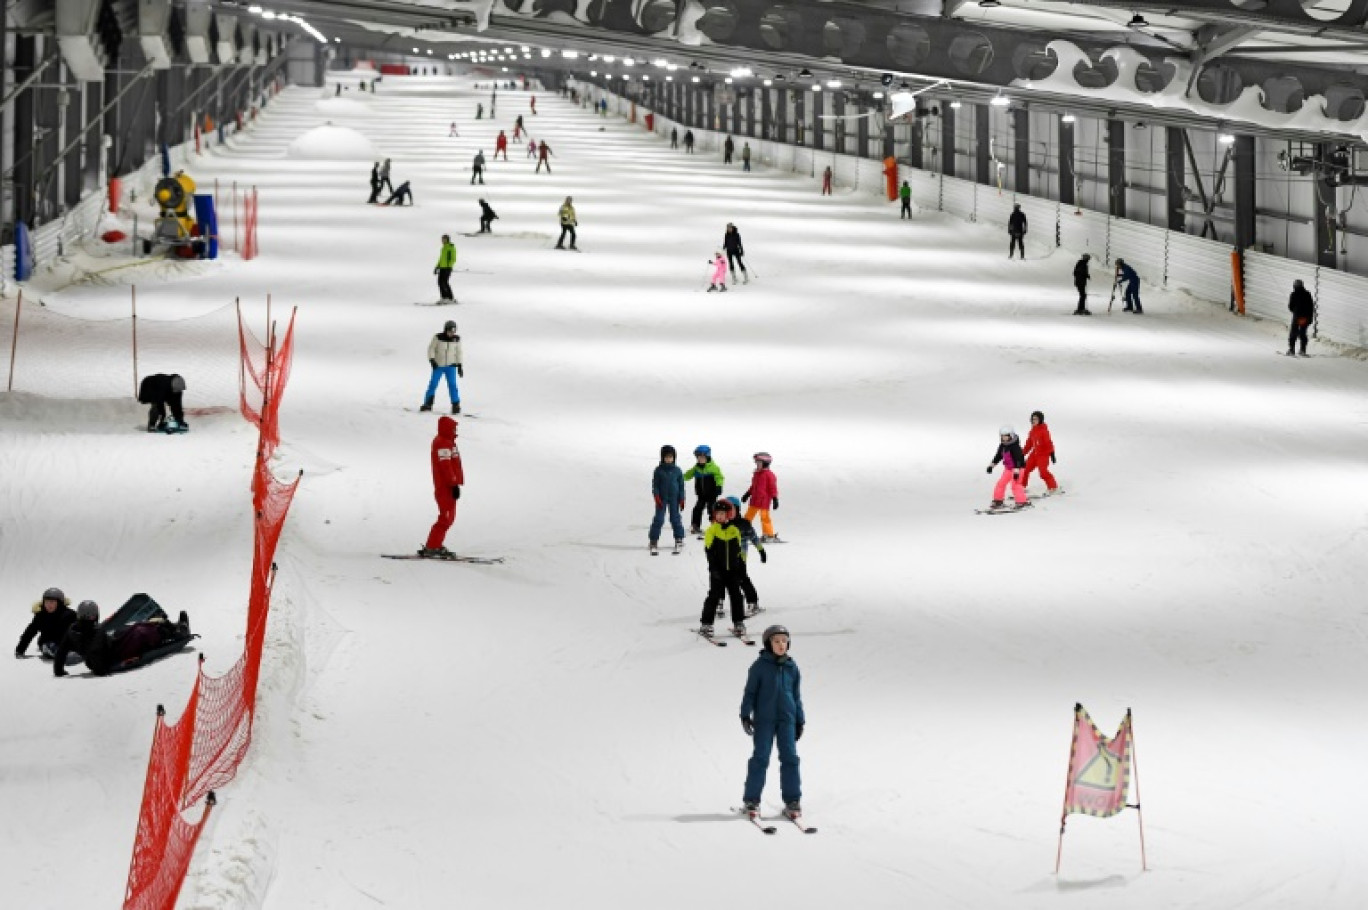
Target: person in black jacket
[
  {"x": 731, "y": 242},
  {"x": 138, "y": 627},
  {"x": 722, "y": 546},
  {"x": 376, "y": 184},
  {"x": 1016, "y": 230},
  {"x": 1081, "y": 282},
  {"x": 487, "y": 217},
  {"x": 1013, "y": 461},
  {"x": 1303, "y": 309},
  {"x": 688, "y": 141},
  {"x": 52, "y": 616},
  {"x": 161, "y": 390}
]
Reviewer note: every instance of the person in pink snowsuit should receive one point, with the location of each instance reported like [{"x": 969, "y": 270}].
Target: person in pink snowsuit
[
  {"x": 1013, "y": 462},
  {"x": 763, "y": 495},
  {"x": 719, "y": 273}
]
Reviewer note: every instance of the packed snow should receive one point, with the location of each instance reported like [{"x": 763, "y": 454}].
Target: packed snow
[
  {"x": 334, "y": 143},
  {"x": 548, "y": 729}
]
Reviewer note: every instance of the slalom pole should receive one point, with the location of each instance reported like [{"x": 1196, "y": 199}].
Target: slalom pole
[
  {"x": 14, "y": 341},
  {"x": 1135, "y": 769},
  {"x": 133, "y": 292},
  {"x": 1068, "y": 779}
]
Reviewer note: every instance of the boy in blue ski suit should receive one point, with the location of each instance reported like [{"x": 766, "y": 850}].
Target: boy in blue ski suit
[
  {"x": 772, "y": 709},
  {"x": 667, "y": 486}
]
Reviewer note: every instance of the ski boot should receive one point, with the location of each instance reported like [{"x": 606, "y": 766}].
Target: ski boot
[
  {"x": 739, "y": 630},
  {"x": 1018, "y": 506},
  {"x": 711, "y": 288},
  {"x": 752, "y": 806},
  {"x": 793, "y": 809},
  {"x": 745, "y": 277},
  {"x": 706, "y": 630},
  {"x": 427, "y": 404},
  {"x": 752, "y": 609},
  {"x": 653, "y": 548},
  {"x": 695, "y": 530},
  {"x": 995, "y": 504},
  {"x": 721, "y": 287},
  {"x": 435, "y": 553},
  {"x": 679, "y": 545}
]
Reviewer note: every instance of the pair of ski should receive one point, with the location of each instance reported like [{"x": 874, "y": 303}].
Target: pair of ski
[
  {"x": 454, "y": 557},
  {"x": 1003, "y": 510},
  {"x": 758, "y": 822},
  {"x": 745, "y": 639}
]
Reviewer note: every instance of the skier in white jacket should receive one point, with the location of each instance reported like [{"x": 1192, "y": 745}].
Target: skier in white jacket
[{"x": 444, "y": 354}]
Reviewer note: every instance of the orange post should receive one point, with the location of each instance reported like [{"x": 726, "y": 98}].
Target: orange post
[
  {"x": 115, "y": 193},
  {"x": 1237, "y": 280},
  {"x": 891, "y": 176}
]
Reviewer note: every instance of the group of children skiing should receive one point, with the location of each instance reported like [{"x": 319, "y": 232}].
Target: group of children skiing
[{"x": 1019, "y": 461}]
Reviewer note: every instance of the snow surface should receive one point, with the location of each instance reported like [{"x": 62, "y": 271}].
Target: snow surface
[{"x": 548, "y": 730}]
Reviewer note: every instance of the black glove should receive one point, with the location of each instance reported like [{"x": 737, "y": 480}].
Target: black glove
[
  {"x": 433, "y": 362},
  {"x": 456, "y": 492},
  {"x": 798, "y": 734},
  {"x": 745, "y": 497},
  {"x": 460, "y": 371},
  {"x": 990, "y": 470},
  {"x": 763, "y": 557},
  {"x": 775, "y": 506},
  {"x": 748, "y": 725},
  {"x": 1052, "y": 458}
]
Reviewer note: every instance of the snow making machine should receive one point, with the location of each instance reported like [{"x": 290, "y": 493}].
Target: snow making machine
[{"x": 174, "y": 228}]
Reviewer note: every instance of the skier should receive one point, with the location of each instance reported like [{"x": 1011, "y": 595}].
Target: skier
[
  {"x": 568, "y": 221},
  {"x": 163, "y": 390},
  {"x": 748, "y": 537},
  {"x": 518, "y": 128},
  {"x": 531, "y": 147},
  {"x": 826, "y": 181},
  {"x": 447, "y": 480},
  {"x": 667, "y": 487},
  {"x": 385, "y": 175},
  {"x": 444, "y": 355},
  {"x": 1081, "y": 282},
  {"x": 905, "y": 194},
  {"x": 745, "y": 157},
  {"x": 375, "y": 183},
  {"x": 532, "y": 103},
  {"x": 772, "y": 711},
  {"x": 727, "y": 148},
  {"x": 1013, "y": 460},
  {"x": 477, "y": 167},
  {"x": 731, "y": 242},
  {"x": 52, "y": 616},
  {"x": 764, "y": 489},
  {"x": 479, "y": 112},
  {"x": 403, "y": 194},
  {"x": 722, "y": 546},
  {"x": 1016, "y": 230},
  {"x": 719, "y": 273},
  {"x": 139, "y": 627},
  {"x": 543, "y": 157},
  {"x": 1302, "y": 306},
  {"x": 453, "y": 131},
  {"x": 708, "y": 480},
  {"x": 1039, "y": 452},
  {"x": 674, "y": 137},
  {"x": 446, "y": 261},
  {"x": 487, "y": 217},
  {"x": 1131, "y": 295},
  {"x": 501, "y": 145},
  {"x": 688, "y": 141}
]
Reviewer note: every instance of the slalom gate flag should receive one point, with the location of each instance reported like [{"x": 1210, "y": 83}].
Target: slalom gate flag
[{"x": 1099, "y": 768}]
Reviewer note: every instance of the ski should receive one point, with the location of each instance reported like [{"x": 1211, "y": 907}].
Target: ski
[
  {"x": 801, "y": 827},
  {"x": 711, "y": 641},
  {"x": 755, "y": 820},
  {"x": 1285, "y": 354},
  {"x": 748, "y": 641},
  {"x": 442, "y": 303},
  {"x": 474, "y": 560},
  {"x": 442, "y": 413},
  {"x": 770, "y": 540},
  {"x": 999, "y": 511}
]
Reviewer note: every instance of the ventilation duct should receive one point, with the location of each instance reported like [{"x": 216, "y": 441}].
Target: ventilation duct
[
  {"x": 76, "y": 20},
  {"x": 227, "y": 30},
  {"x": 153, "y": 18},
  {"x": 246, "y": 33},
  {"x": 198, "y": 18}
]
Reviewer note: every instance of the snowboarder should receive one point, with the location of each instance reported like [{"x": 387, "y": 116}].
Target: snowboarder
[
  {"x": 1131, "y": 294},
  {"x": 748, "y": 537},
  {"x": 1040, "y": 454},
  {"x": 763, "y": 494},
  {"x": 708, "y": 480},
  {"x": 477, "y": 167},
  {"x": 385, "y": 175},
  {"x": 139, "y": 627},
  {"x": 1302, "y": 306},
  {"x": 446, "y": 261},
  {"x": 745, "y": 157},
  {"x": 826, "y": 181},
  {"x": 447, "y": 479},
  {"x": 487, "y": 217},
  {"x": 719, "y": 273},
  {"x": 1009, "y": 454},
  {"x": 674, "y": 137},
  {"x": 444, "y": 355},
  {"x": 667, "y": 487},
  {"x": 543, "y": 157},
  {"x": 905, "y": 194},
  {"x": 731, "y": 242},
  {"x": 501, "y": 145},
  {"x": 376, "y": 184},
  {"x": 568, "y": 221},
  {"x": 163, "y": 390},
  {"x": 1016, "y": 230},
  {"x": 52, "y": 616},
  {"x": 1081, "y": 282},
  {"x": 772, "y": 711},
  {"x": 688, "y": 142},
  {"x": 401, "y": 196},
  {"x": 722, "y": 546},
  {"x": 727, "y": 148}
]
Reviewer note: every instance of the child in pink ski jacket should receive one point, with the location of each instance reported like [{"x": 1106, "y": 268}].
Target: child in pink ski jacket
[
  {"x": 719, "y": 273},
  {"x": 763, "y": 494},
  {"x": 1013, "y": 464}
]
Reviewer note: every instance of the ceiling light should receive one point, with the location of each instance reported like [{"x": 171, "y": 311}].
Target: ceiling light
[
  {"x": 695, "y": 79},
  {"x": 625, "y": 76},
  {"x": 878, "y": 96},
  {"x": 569, "y": 55},
  {"x": 608, "y": 58},
  {"x": 1141, "y": 125},
  {"x": 593, "y": 72},
  {"x": 768, "y": 83},
  {"x": 429, "y": 50},
  {"x": 1000, "y": 100},
  {"x": 955, "y": 105},
  {"x": 1137, "y": 21},
  {"x": 816, "y": 86},
  {"x": 671, "y": 67},
  {"x": 833, "y": 83},
  {"x": 628, "y": 61},
  {"x": 989, "y": 4},
  {"x": 645, "y": 78},
  {"x": 524, "y": 48},
  {"x": 805, "y": 73},
  {"x": 546, "y": 52},
  {"x": 728, "y": 80},
  {"x": 1067, "y": 118},
  {"x": 1226, "y": 138},
  {"x": 415, "y": 50},
  {"x": 741, "y": 72},
  {"x": 254, "y": 10}
]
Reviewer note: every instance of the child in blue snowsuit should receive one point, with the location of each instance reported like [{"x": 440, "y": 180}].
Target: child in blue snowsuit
[
  {"x": 667, "y": 486},
  {"x": 772, "y": 710},
  {"x": 1131, "y": 296}
]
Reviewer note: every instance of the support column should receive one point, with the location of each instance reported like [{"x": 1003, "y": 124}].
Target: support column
[
  {"x": 1021, "y": 150},
  {"x": 862, "y": 133},
  {"x": 800, "y": 136},
  {"x": 74, "y": 113},
  {"x": 947, "y": 140},
  {"x": 1324, "y": 211},
  {"x": 24, "y": 60},
  {"x": 818, "y": 127},
  {"x": 709, "y": 111},
  {"x": 781, "y": 115},
  {"x": 689, "y": 94},
  {"x": 766, "y": 114},
  {"x": 750, "y": 114},
  {"x": 1245, "y": 195},
  {"x": 1176, "y": 167},
  {"x": 983, "y": 135},
  {"x": 1067, "y": 180},
  {"x": 1116, "y": 168},
  {"x": 838, "y": 107}
]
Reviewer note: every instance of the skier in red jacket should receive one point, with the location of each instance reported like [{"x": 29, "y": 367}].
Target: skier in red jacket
[
  {"x": 447, "y": 478},
  {"x": 501, "y": 145},
  {"x": 1039, "y": 452},
  {"x": 763, "y": 495}
]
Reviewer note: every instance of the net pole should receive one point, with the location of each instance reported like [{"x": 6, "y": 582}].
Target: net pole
[
  {"x": 14, "y": 341},
  {"x": 1068, "y": 780},
  {"x": 133, "y": 289},
  {"x": 1135, "y": 769},
  {"x": 237, "y": 240}
]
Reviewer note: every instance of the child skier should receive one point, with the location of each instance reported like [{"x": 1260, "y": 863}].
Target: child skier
[
  {"x": 772, "y": 711},
  {"x": 708, "y": 480},
  {"x": 748, "y": 537},
  {"x": 719, "y": 273},
  {"x": 444, "y": 354},
  {"x": 667, "y": 486},
  {"x": 722, "y": 546},
  {"x": 1040, "y": 453},
  {"x": 1010, "y": 455},
  {"x": 52, "y": 616},
  {"x": 764, "y": 490}
]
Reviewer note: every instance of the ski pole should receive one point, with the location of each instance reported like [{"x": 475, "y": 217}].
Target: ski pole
[{"x": 1115, "y": 282}]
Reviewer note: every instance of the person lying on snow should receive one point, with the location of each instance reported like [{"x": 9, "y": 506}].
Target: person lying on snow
[{"x": 139, "y": 632}]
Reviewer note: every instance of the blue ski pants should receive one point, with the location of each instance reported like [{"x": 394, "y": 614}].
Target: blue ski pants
[
  {"x": 790, "y": 784},
  {"x": 1131, "y": 298},
  {"x": 676, "y": 523},
  {"x": 450, "y": 374}
]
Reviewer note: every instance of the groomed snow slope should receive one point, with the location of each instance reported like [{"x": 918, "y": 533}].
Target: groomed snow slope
[{"x": 548, "y": 730}]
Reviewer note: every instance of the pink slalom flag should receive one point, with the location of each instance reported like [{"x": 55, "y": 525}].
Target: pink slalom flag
[{"x": 1099, "y": 768}]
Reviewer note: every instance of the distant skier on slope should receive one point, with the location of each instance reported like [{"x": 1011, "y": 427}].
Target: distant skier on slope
[
  {"x": 163, "y": 390},
  {"x": 722, "y": 546},
  {"x": 667, "y": 488},
  {"x": 1131, "y": 293},
  {"x": 445, "y": 358},
  {"x": 1302, "y": 306},
  {"x": 403, "y": 195},
  {"x": 772, "y": 712},
  {"x": 487, "y": 218},
  {"x": 748, "y": 537},
  {"x": 447, "y": 479},
  {"x": 477, "y": 167},
  {"x": 446, "y": 261},
  {"x": 543, "y": 157},
  {"x": 1016, "y": 231},
  {"x": 728, "y": 147},
  {"x": 708, "y": 480},
  {"x": 501, "y": 145},
  {"x": 731, "y": 242},
  {"x": 1081, "y": 276},
  {"x": 763, "y": 494},
  {"x": 518, "y": 128},
  {"x": 1040, "y": 454},
  {"x": 531, "y": 147},
  {"x": 719, "y": 273},
  {"x": 376, "y": 184},
  {"x": 1012, "y": 459}
]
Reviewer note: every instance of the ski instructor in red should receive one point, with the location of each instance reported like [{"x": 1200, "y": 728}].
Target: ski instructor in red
[{"x": 447, "y": 478}]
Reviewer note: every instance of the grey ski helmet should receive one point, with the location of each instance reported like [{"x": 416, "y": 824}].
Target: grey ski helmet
[
  {"x": 773, "y": 631},
  {"x": 88, "y": 610},
  {"x": 1006, "y": 430},
  {"x": 450, "y": 326},
  {"x": 55, "y": 594}
]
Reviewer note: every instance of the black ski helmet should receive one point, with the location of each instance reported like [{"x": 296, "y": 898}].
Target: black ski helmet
[
  {"x": 773, "y": 631},
  {"x": 88, "y": 610},
  {"x": 667, "y": 450},
  {"x": 55, "y": 594}
]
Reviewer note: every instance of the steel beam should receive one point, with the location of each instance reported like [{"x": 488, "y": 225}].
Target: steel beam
[
  {"x": 983, "y": 135},
  {"x": 948, "y": 140},
  {"x": 1116, "y": 168},
  {"x": 1278, "y": 15},
  {"x": 1021, "y": 152},
  {"x": 1326, "y": 209},
  {"x": 1175, "y": 194}
]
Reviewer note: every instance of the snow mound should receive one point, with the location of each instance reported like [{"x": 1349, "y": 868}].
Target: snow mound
[{"x": 332, "y": 143}]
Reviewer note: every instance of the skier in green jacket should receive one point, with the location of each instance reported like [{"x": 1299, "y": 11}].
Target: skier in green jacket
[
  {"x": 446, "y": 261},
  {"x": 707, "y": 478},
  {"x": 905, "y": 194}
]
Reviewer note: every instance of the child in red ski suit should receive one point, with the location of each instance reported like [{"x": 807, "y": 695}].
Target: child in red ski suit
[
  {"x": 719, "y": 273},
  {"x": 1013, "y": 461},
  {"x": 501, "y": 145},
  {"x": 447, "y": 480},
  {"x": 1039, "y": 452},
  {"x": 763, "y": 494}
]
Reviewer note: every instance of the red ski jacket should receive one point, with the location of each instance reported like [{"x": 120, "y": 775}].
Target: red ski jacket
[
  {"x": 1038, "y": 442},
  {"x": 764, "y": 489},
  {"x": 501, "y": 144},
  {"x": 446, "y": 458}
]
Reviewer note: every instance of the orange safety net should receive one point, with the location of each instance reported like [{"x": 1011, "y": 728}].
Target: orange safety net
[
  {"x": 203, "y": 750},
  {"x": 249, "y": 225}
]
